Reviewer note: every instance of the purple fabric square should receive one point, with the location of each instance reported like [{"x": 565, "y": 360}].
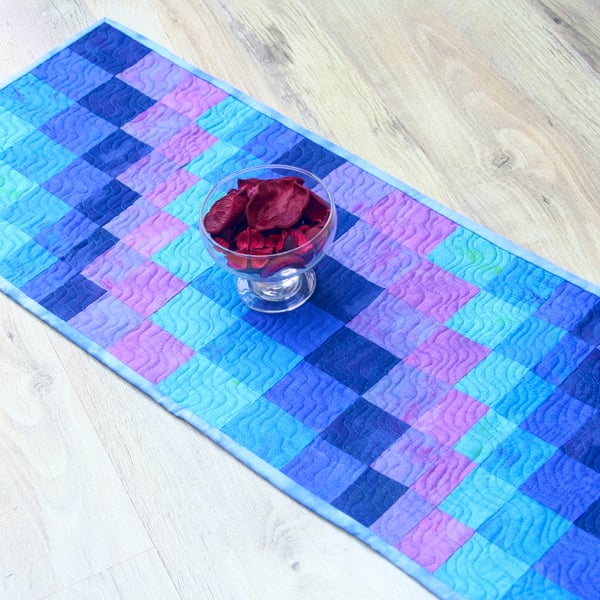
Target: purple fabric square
[
  {"x": 188, "y": 143},
  {"x": 373, "y": 255},
  {"x": 113, "y": 266},
  {"x": 132, "y": 217},
  {"x": 433, "y": 290},
  {"x": 147, "y": 288},
  {"x": 364, "y": 431},
  {"x": 154, "y": 233},
  {"x": 154, "y": 75},
  {"x": 324, "y": 469},
  {"x": 151, "y": 352},
  {"x": 406, "y": 392},
  {"x": 147, "y": 174},
  {"x": 584, "y": 382},
  {"x": 193, "y": 96},
  {"x": 106, "y": 320},
  {"x": 401, "y": 517},
  {"x": 393, "y": 325},
  {"x": 409, "y": 222},
  {"x": 156, "y": 125},
  {"x": 171, "y": 187},
  {"x": 447, "y": 355},
  {"x": 564, "y": 485}
]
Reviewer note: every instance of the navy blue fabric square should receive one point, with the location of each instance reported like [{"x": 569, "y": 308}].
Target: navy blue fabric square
[
  {"x": 110, "y": 49},
  {"x": 108, "y": 202},
  {"x": 116, "y": 153},
  {"x": 47, "y": 281},
  {"x": 345, "y": 220},
  {"x": 342, "y": 292},
  {"x": 364, "y": 431},
  {"x": 588, "y": 328},
  {"x": 584, "y": 446},
  {"x": 302, "y": 330},
  {"x": 312, "y": 157},
  {"x": 371, "y": 495},
  {"x": 590, "y": 520},
  {"x": 584, "y": 382},
  {"x": 72, "y": 297},
  {"x": 353, "y": 360},
  {"x": 116, "y": 102},
  {"x": 88, "y": 250}
]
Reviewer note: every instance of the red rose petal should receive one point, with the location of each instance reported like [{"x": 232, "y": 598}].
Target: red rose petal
[
  {"x": 225, "y": 212},
  {"x": 249, "y": 240},
  {"x": 276, "y": 203},
  {"x": 316, "y": 211}
]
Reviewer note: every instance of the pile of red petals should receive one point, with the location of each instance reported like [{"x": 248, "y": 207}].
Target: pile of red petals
[{"x": 264, "y": 217}]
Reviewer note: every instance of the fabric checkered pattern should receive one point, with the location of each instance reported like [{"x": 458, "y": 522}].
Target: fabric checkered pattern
[{"x": 439, "y": 391}]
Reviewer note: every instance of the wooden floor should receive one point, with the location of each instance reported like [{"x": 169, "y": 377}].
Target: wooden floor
[{"x": 491, "y": 107}]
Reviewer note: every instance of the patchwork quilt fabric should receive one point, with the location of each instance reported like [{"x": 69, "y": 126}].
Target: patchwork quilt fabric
[{"x": 439, "y": 395}]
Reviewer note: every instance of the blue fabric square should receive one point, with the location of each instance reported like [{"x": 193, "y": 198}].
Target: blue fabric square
[
  {"x": 109, "y": 48},
  {"x": 534, "y": 586},
  {"x": 37, "y": 157},
  {"x": 77, "y": 182},
  {"x": 353, "y": 360},
  {"x": 72, "y": 297},
  {"x": 268, "y": 144},
  {"x": 584, "y": 382},
  {"x": 364, "y": 431},
  {"x": 269, "y": 432},
  {"x": 567, "y": 306},
  {"x": 342, "y": 292},
  {"x": 66, "y": 233},
  {"x": 588, "y": 328},
  {"x": 105, "y": 204},
  {"x": 89, "y": 249},
  {"x": 324, "y": 469},
  {"x": 311, "y": 396},
  {"x": 312, "y": 157},
  {"x": 117, "y": 153},
  {"x": 564, "y": 485},
  {"x": 116, "y": 102},
  {"x": 71, "y": 74},
  {"x": 369, "y": 496},
  {"x": 44, "y": 283},
  {"x": 563, "y": 359},
  {"x": 219, "y": 285},
  {"x": 558, "y": 418},
  {"x": 301, "y": 330},
  {"x": 524, "y": 398},
  {"x": 32, "y": 100},
  {"x": 77, "y": 129}
]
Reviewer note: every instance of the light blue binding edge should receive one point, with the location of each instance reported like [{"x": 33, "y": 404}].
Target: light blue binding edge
[{"x": 268, "y": 472}]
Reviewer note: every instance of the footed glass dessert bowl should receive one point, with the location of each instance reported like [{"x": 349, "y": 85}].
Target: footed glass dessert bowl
[{"x": 269, "y": 226}]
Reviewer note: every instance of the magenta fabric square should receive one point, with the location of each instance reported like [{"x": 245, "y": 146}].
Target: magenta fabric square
[
  {"x": 435, "y": 539},
  {"x": 113, "y": 266},
  {"x": 447, "y": 355},
  {"x": 437, "y": 482},
  {"x": 154, "y": 75},
  {"x": 131, "y": 217},
  {"x": 393, "y": 325},
  {"x": 433, "y": 290},
  {"x": 413, "y": 224},
  {"x": 354, "y": 189},
  {"x": 193, "y": 97},
  {"x": 156, "y": 125},
  {"x": 147, "y": 288},
  {"x": 451, "y": 417},
  {"x": 187, "y": 144},
  {"x": 169, "y": 188},
  {"x": 147, "y": 173},
  {"x": 151, "y": 351},
  {"x": 376, "y": 257},
  {"x": 155, "y": 233},
  {"x": 409, "y": 457}
]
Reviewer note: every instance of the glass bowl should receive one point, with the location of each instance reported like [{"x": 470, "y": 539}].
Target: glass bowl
[{"x": 269, "y": 279}]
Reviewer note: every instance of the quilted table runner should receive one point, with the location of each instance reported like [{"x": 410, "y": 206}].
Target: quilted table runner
[{"x": 439, "y": 395}]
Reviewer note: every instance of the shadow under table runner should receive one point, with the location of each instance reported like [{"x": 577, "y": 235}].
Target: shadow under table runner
[{"x": 439, "y": 395}]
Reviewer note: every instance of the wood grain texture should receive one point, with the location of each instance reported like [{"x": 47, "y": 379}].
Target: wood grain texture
[{"x": 492, "y": 108}]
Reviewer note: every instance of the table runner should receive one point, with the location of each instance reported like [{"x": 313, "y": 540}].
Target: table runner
[{"x": 439, "y": 395}]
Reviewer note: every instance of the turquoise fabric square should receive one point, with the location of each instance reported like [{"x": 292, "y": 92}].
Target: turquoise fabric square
[
  {"x": 12, "y": 129},
  {"x": 470, "y": 257},
  {"x": 479, "y": 441},
  {"x": 208, "y": 391},
  {"x": 270, "y": 432},
  {"x": 483, "y": 383},
  {"x": 186, "y": 256},
  {"x": 28, "y": 261},
  {"x": 12, "y": 185},
  {"x": 251, "y": 356},
  {"x": 186, "y": 207},
  {"x": 210, "y": 159},
  {"x": 487, "y": 320},
  {"x": 13, "y": 239},
  {"x": 32, "y": 100},
  {"x": 193, "y": 318},
  {"x": 517, "y": 457},
  {"x": 525, "y": 528},
  {"x": 477, "y": 498},
  {"x": 524, "y": 398},
  {"x": 480, "y": 570}
]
